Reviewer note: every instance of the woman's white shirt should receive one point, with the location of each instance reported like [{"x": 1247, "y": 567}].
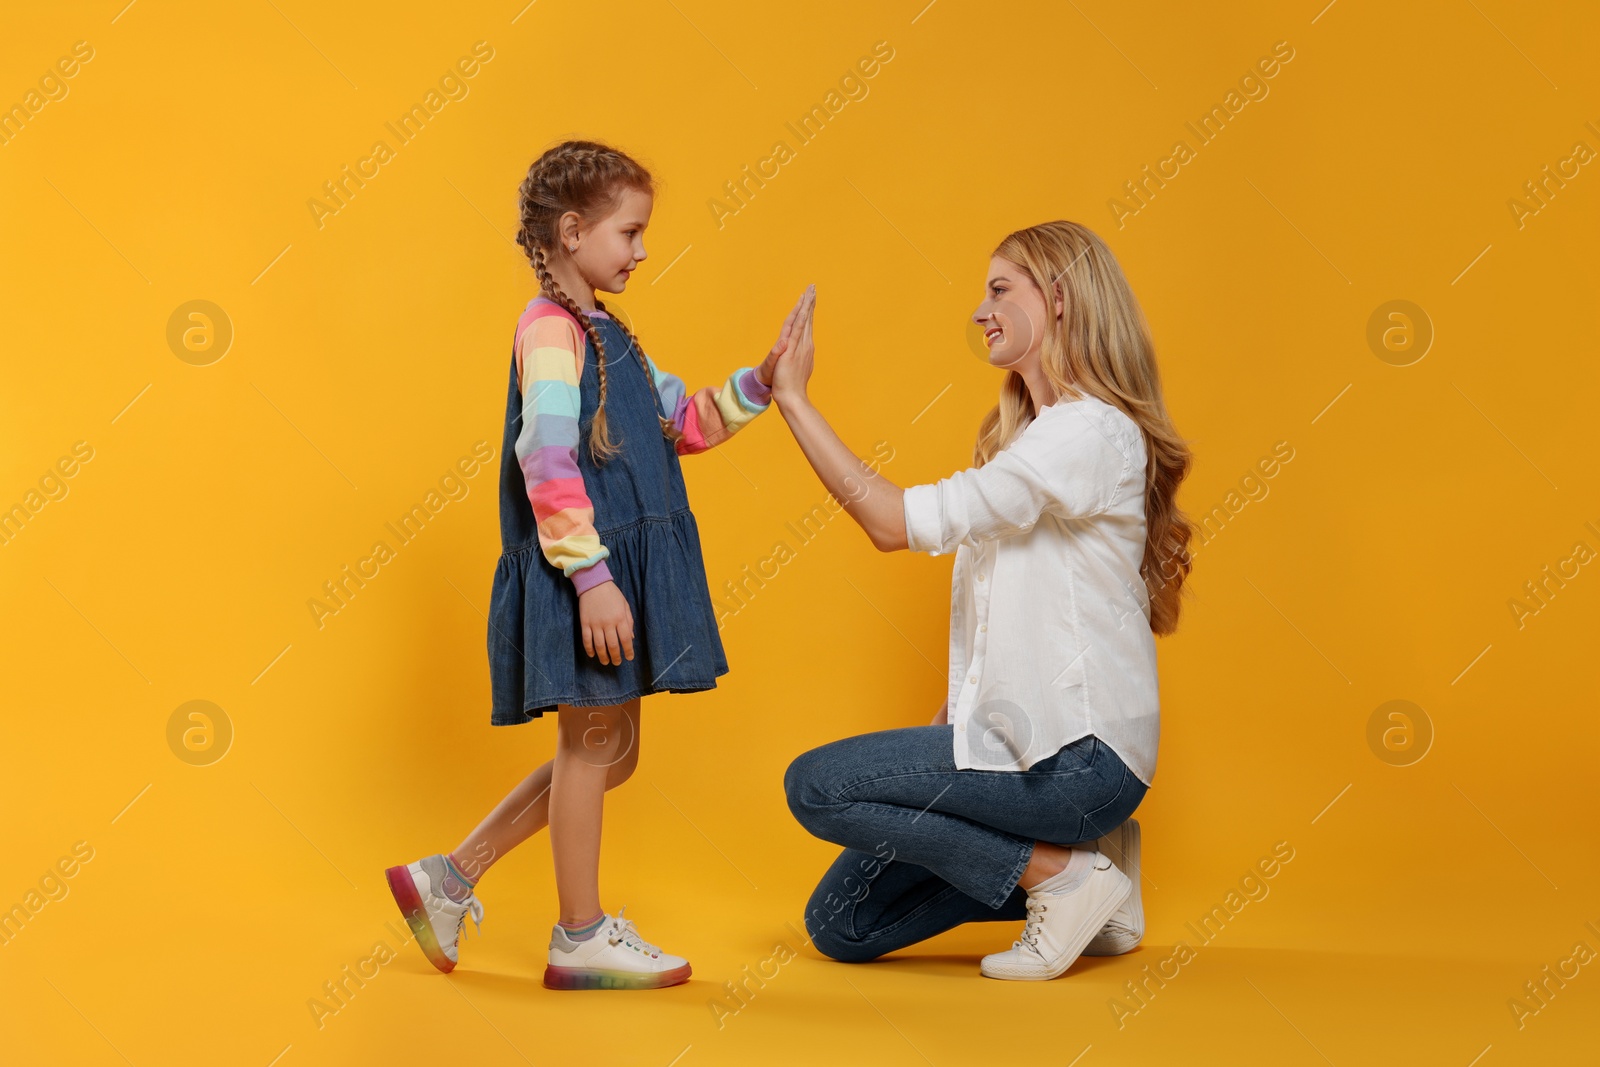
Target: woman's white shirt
[{"x": 1050, "y": 634}]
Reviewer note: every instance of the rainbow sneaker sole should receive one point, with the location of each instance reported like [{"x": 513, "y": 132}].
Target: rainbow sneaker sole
[{"x": 585, "y": 978}]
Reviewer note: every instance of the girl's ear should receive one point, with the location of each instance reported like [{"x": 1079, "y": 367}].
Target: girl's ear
[
  {"x": 1060, "y": 305},
  {"x": 567, "y": 228}
]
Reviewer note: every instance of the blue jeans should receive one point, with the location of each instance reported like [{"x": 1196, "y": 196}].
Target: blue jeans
[{"x": 928, "y": 846}]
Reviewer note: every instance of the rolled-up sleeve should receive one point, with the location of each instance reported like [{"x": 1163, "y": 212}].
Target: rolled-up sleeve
[
  {"x": 922, "y": 518},
  {"x": 1063, "y": 462}
]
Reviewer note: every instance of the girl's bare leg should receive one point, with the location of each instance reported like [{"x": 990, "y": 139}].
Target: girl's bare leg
[
  {"x": 588, "y": 742},
  {"x": 526, "y": 809}
]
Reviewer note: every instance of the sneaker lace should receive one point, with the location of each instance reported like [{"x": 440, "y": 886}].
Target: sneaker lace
[
  {"x": 474, "y": 909},
  {"x": 1030, "y": 930},
  {"x": 624, "y": 930}
]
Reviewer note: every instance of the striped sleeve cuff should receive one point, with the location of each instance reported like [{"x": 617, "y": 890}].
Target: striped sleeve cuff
[
  {"x": 751, "y": 389},
  {"x": 586, "y": 578}
]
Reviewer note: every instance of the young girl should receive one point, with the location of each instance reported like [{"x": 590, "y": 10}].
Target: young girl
[
  {"x": 1070, "y": 555},
  {"x": 600, "y": 596}
]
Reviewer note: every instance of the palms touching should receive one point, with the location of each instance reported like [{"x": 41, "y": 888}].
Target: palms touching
[{"x": 794, "y": 350}]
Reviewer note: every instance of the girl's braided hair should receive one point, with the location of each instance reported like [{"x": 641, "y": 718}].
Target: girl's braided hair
[{"x": 589, "y": 178}]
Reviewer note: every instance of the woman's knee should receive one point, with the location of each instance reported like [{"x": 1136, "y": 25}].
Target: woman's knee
[
  {"x": 804, "y": 785},
  {"x": 841, "y": 950},
  {"x": 829, "y": 938}
]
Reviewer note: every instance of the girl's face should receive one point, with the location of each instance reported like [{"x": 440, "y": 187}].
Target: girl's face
[
  {"x": 1012, "y": 316},
  {"x": 610, "y": 250}
]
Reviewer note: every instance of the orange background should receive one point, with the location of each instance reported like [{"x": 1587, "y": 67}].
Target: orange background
[{"x": 370, "y": 353}]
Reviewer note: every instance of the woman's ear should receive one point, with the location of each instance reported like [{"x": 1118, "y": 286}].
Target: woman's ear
[{"x": 1060, "y": 304}]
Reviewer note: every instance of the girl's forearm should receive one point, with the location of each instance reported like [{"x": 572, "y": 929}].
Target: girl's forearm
[{"x": 871, "y": 499}]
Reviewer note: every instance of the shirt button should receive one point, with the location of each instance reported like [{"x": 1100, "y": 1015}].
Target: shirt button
[
  {"x": 980, "y": 577},
  {"x": 973, "y": 678},
  {"x": 983, "y": 629}
]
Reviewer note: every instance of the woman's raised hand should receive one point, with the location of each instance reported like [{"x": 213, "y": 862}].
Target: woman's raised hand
[
  {"x": 795, "y": 361},
  {"x": 785, "y": 337}
]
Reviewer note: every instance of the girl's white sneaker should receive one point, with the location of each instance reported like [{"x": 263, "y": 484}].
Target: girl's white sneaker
[
  {"x": 1060, "y": 923},
  {"x": 1125, "y": 929},
  {"x": 434, "y": 918},
  {"x": 616, "y": 957}
]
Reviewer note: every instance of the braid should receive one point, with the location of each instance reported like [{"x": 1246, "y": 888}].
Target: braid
[
  {"x": 586, "y": 177},
  {"x": 669, "y": 429},
  {"x": 601, "y": 445}
]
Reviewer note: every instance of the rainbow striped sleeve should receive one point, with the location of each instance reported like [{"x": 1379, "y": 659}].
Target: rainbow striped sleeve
[
  {"x": 549, "y": 348},
  {"x": 710, "y": 416}
]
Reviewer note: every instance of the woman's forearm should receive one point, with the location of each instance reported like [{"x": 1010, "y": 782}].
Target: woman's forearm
[{"x": 871, "y": 499}]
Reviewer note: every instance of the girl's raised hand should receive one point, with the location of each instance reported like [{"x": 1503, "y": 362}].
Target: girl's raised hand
[{"x": 794, "y": 368}]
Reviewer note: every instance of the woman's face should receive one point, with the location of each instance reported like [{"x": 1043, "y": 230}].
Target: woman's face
[{"x": 1012, "y": 316}]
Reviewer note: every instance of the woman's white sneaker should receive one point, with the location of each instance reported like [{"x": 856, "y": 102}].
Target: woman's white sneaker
[
  {"x": 615, "y": 957},
  {"x": 1125, "y": 929},
  {"x": 435, "y": 919},
  {"x": 1060, "y": 922}
]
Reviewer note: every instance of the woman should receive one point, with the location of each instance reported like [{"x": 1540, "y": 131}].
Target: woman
[{"x": 1070, "y": 556}]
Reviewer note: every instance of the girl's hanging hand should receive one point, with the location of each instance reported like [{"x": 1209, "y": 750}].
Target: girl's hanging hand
[
  {"x": 607, "y": 623},
  {"x": 785, "y": 337},
  {"x": 794, "y": 369}
]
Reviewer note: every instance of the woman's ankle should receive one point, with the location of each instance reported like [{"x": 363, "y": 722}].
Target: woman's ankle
[{"x": 1046, "y": 860}]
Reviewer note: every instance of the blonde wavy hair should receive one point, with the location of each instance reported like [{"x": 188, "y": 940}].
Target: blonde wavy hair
[
  {"x": 589, "y": 178},
  {"x": 1101, "y": 346}
]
